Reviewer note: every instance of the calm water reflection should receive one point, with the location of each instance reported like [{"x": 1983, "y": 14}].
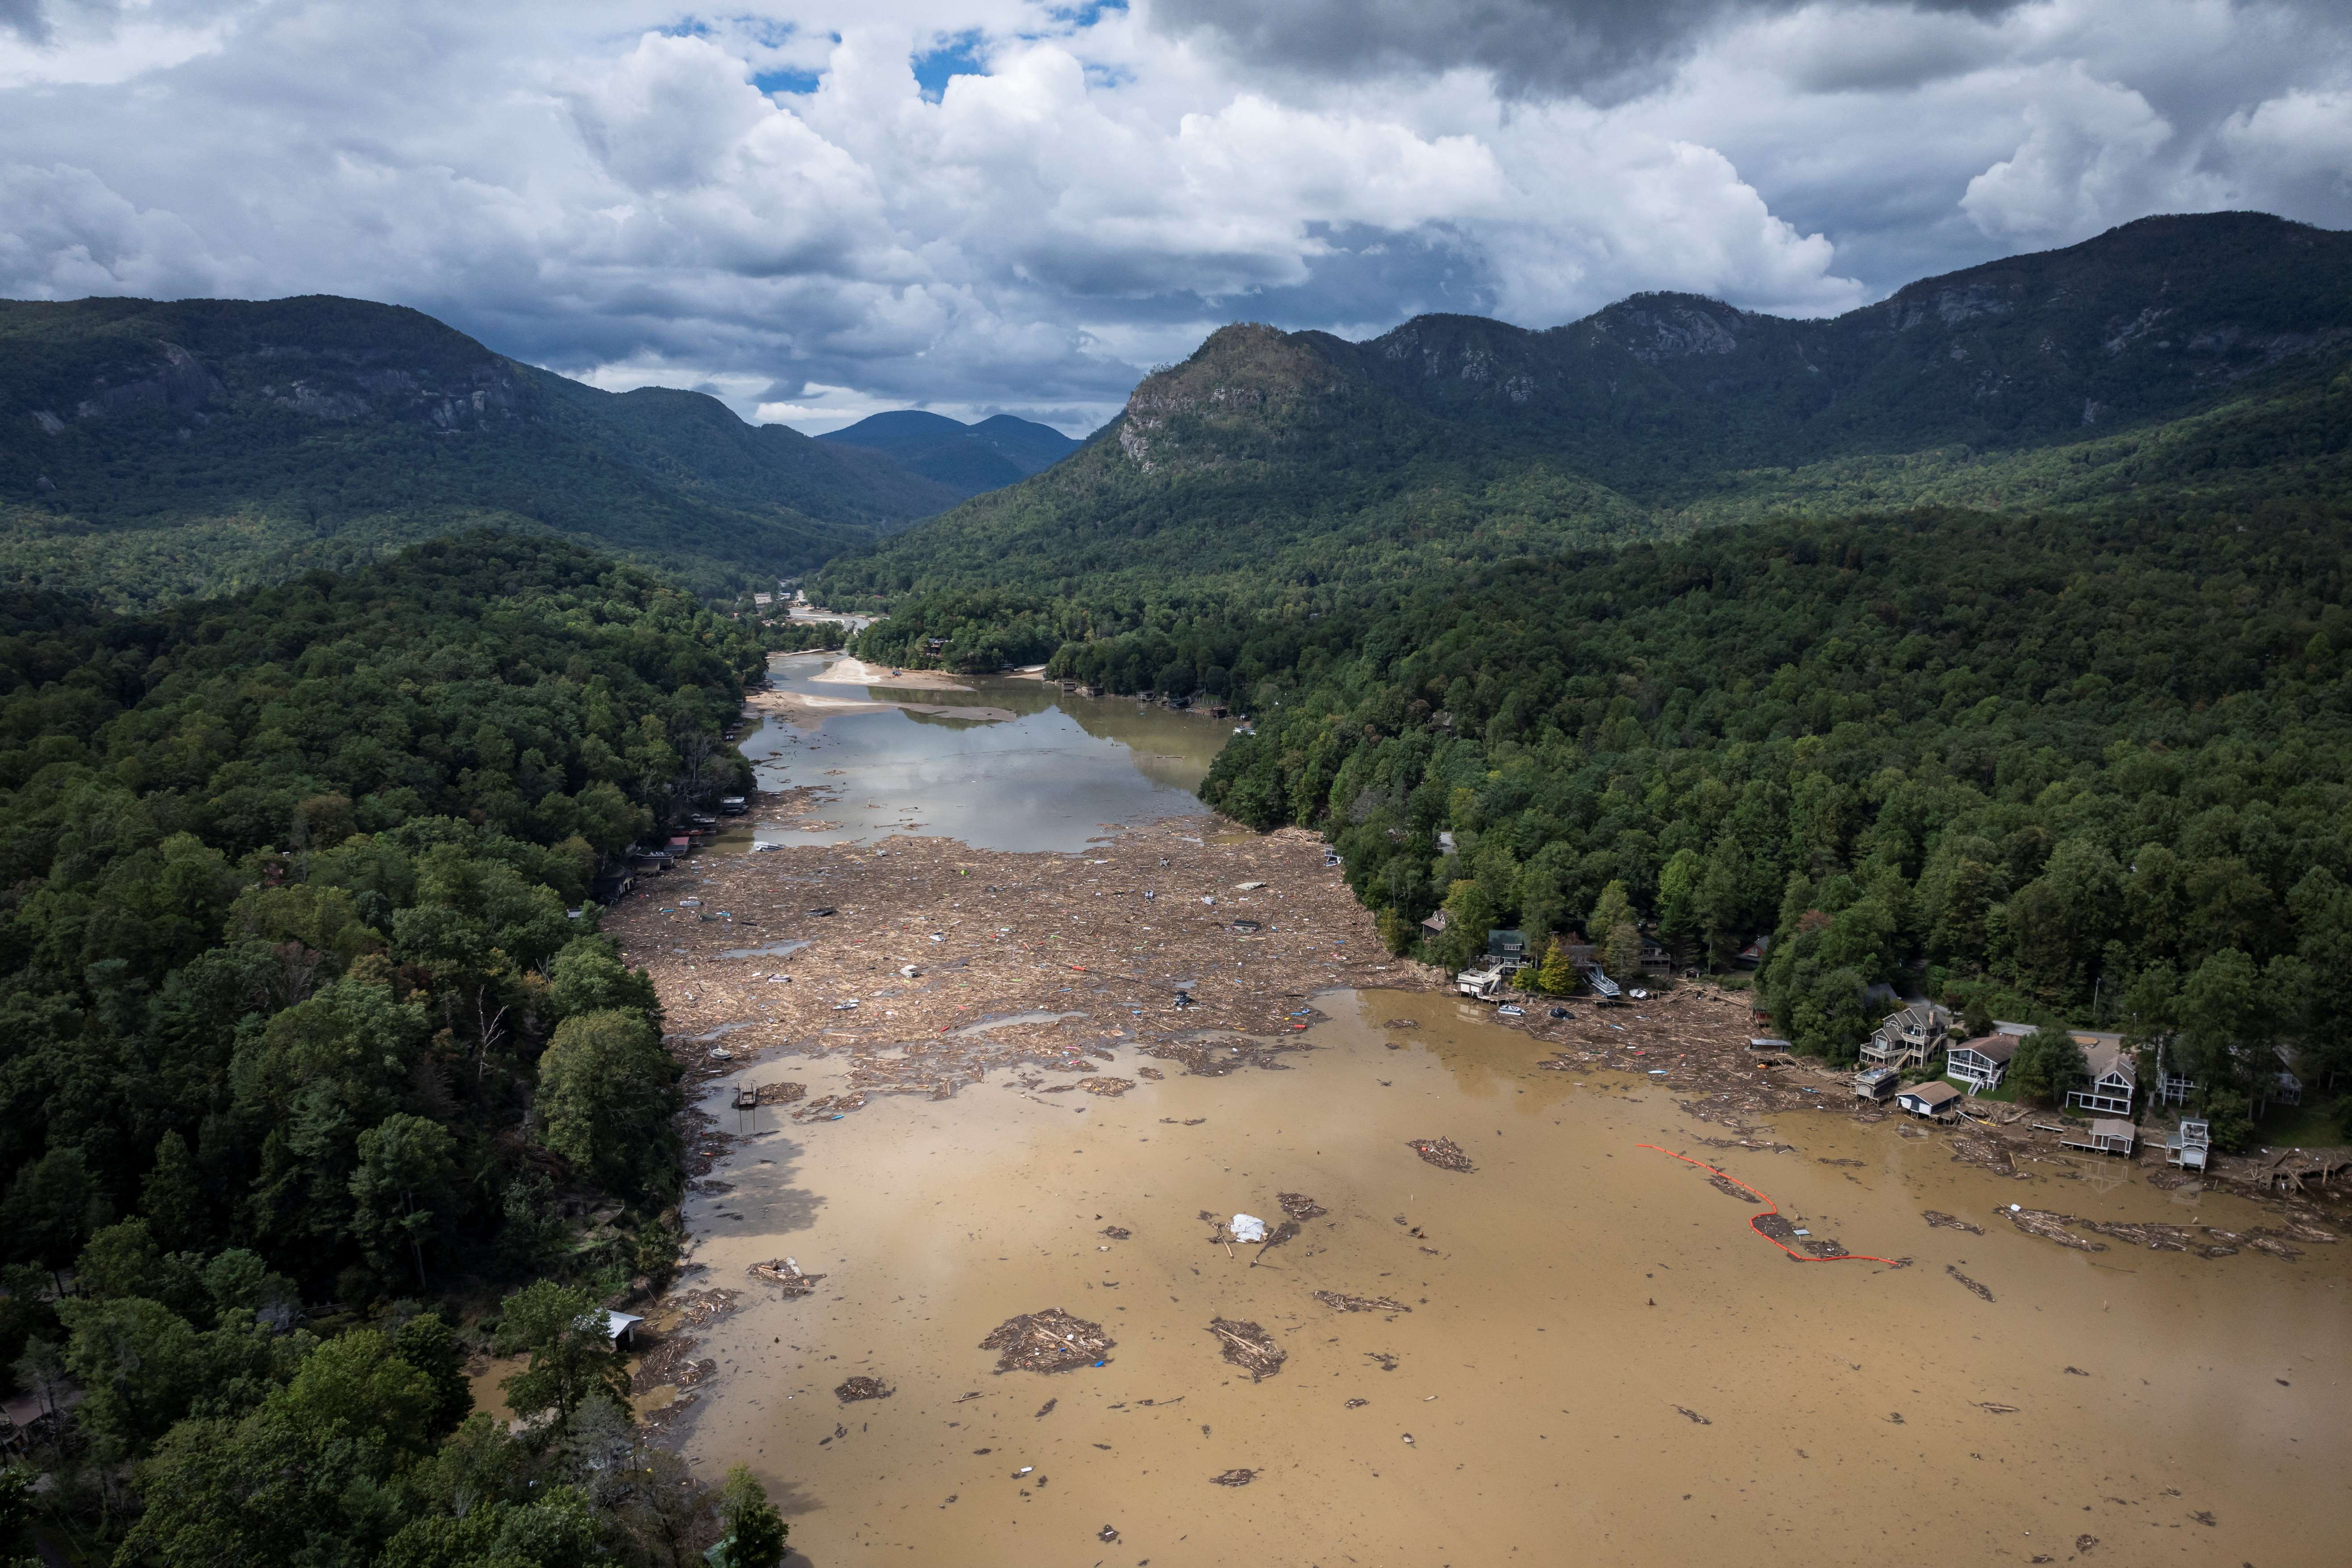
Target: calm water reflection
[{"x": 1053, "y": 778}]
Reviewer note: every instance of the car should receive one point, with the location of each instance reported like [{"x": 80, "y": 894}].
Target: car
[
  {"x": 1560, "y": 1013},
  {"x": 1512, "y": 1010}
]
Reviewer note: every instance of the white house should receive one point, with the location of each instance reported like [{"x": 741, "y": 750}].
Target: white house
[
  {"x": 2114, "y": 1075},
  {"x": 1980, "y": 1063},
  {"x": 1930, "y": 1099}
]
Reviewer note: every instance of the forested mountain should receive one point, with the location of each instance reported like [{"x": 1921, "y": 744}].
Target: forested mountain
[
  {"x": 2180, "y": 359},
  {"x": 303, "y": 1047},
  {"x": 970, "y": 459},
  {"x": 159, "y": 449}
]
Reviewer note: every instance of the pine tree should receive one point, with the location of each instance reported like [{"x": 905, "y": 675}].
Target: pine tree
[
  {"x": 171, "y": 1200},
  {"x": 1558, "y": 976}
]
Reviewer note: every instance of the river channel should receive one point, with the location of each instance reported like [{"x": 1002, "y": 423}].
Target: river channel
[{"x": 1601, "y": 1362}]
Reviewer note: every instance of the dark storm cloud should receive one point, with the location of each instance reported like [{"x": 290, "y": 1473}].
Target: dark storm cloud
[{"x": 1599, "y": 50}]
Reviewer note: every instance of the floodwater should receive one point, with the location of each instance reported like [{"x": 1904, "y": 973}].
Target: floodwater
[
  {"x": 1055, "y": 776},
  {"x": 1602, "y": 1363}
]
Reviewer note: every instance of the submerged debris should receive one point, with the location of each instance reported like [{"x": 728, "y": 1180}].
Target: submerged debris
[
  {"x": 1298, "y": 1206},
  {"x": 786, "y": 1275},
  {"x": 1108, "y": 1087},
  {"x": 1444, "y": 1153},
  {"x": 1216, "y": 1057},
  {"x": 1249, "y": 1347},
  {"x": 858, "y": 1388},
  {"x": 1233, "y": 1479},
  {"x": 1342, "y": 1301},
  {"x": 1951, "y": 1222},
  {"x": 1116, "y": 1232},
  {"x": 1050, "y": 1341},
  {"x": 1968, "y": 1283},
  {"x": 1732, "y": 1189}
]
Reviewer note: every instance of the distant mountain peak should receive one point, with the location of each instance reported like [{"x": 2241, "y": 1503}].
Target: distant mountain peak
[{"x": 1000, "y": 450}]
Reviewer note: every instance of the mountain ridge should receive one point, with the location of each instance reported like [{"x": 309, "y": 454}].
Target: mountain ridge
[
  {"x": 1456, "y": 439},
  {"x": 988, "y": 455},
  {"x": 194, "y": 446}
]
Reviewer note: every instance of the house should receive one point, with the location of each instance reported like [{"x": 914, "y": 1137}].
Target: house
[
  {"x": 1930, "y": 1099},
  {"x": 763, "y": 598},
  {"x": 2114, "y": 1073},
  {"x": 1877, "y": 1084},
  {"x": 621, "y": 1330},
  {"x": 1508, "y": 947},
  {"x": 2286, "y": 1088},
  {"x": 1765, "y": 1042},
  {"x": 732, "y": 806},
  {"x": 2108, "y": 1135},
  {"x": 1907, "y": 1038},
  {"x": 2190, "y": 1146},
  {"x": 1434, "y": 926},
  {"x": 1980, "y": 1063},
  {"x": 1445, "y": 842},
  {"x": 1752, "y": 955},
  {"x": 611, "y": 888},
  {"x": 1655, "y": 959}
]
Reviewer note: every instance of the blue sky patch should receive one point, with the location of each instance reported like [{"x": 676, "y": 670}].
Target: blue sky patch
[{"x": 959, "y": 57}]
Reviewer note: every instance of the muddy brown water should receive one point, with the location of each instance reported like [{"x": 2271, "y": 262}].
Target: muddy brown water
[{"x": 1602, "y": 1363}]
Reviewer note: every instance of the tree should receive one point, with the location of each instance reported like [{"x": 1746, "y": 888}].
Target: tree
[
  {"x": 172, "y": 1198},
  {"x": 429, "y": 1345},
  {"x": 572, "y": 1357},
  {"x": 2046, "y": 1064},
  {"x": 1680, "y": 917},
  {"x": 405, "y": 1167},
  {"x": 1469, "y": 915},
  {"x": 755, "y": 1530},
  {"x": 1557, "y": 975},
  {"x": 606, "y": 1093},
  {"x": 52, "y": 1207},
  {"x": 1621, "y": 950},
  {"x": 139, "y": 1364}
]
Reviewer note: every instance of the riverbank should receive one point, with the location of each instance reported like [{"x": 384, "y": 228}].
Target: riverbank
[
  {"x": 857, "y": 672},
  {"x": 808, "y": 710}
]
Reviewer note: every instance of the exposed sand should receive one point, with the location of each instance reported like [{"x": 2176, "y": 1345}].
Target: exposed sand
[
  {"x": 807, "y": 710},
  {"x": 857, "y": 672}
]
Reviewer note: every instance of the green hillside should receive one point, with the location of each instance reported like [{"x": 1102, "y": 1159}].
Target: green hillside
[
  {"x": 969, "y": 459},
  {"x": 160, "y": 451},
  {"x": 2196, "y": 357}
]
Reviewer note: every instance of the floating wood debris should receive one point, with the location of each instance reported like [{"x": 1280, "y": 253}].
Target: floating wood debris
[
  {"x": 1249, "y": 1347},
  {"x": 858, "y": 1388},
  {"x": 1298, "y": 1206},
  {"x": 1233, "y": 1479},
  {"x": 1342, "y": 1301},
  {"x": 1050, "y": 1341},
  {"x": 1444, "y": 1153},
  {"x": 787, "y": 1276}
]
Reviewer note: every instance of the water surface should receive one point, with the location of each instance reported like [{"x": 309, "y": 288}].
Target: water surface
[{"x": 1058, "y": 774}]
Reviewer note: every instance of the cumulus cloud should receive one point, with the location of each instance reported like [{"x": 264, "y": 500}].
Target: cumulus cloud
[{"x": 822, "y": 208}]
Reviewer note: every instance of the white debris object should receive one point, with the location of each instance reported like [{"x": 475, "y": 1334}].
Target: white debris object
[
  {"x": 1248, "y": 1228},
  {"x": 1248, "y": 887}
]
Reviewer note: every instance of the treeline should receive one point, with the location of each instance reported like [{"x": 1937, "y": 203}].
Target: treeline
[
  {"x": 308, "y": 1041},
  {"x": 2094, "y": 767}
]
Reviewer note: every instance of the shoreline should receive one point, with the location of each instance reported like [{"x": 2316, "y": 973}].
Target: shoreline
[{"x": 849, "y": 671}]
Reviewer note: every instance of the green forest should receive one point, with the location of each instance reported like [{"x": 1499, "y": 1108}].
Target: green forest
[
  {"x": 2055, "y": 768},
  {"x": 318, "y": 1075}
]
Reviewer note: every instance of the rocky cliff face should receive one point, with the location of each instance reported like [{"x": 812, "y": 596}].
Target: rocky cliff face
[{"x": 1230, "y": 400}]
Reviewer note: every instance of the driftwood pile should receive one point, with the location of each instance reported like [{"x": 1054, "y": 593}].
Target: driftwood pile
[
  {"x": 1340, "y": 1301},
  {"x": 1444, "y": 1153},
  {"x": 858, "y": 1388},
  {"x": 1050, "y": 1341},
  {"x": 1108, "y": 1087},
  {"x": 1780, "y": 1228},
  {"x": 1951, "y": 1222},
  {"x": 1967, "y": 1284},
  {"x": 1298, "y": 1206},
  {"x": 1216, "y": 1057},
  {"x": 1233, "y": 1479},
  {"x": 1248, "y": 1347},
  {"x": 787, "y": 1276},
  {"x": 783, "y": 1093}
]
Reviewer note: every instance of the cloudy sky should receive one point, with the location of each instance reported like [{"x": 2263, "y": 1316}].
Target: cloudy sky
[{"x": 819, "y": 209}]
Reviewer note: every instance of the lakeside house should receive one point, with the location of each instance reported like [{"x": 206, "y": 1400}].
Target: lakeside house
[
  {"x": 1507, "y": 948},
  {"x": 2113, "y": 1073},
  {"x": 1875, "y": 1084},
  {"x": 1753, "y": 954},
  {"x": 2190, "y": 1145},
  {"x": 2106, "y": 1135},
  {"x": 1983, "y": 1062},
  {"x": 1434, "y": 926},
  {"x": 1656, "y": 960},
  {"x": 1907, "y": 1038},
  {"x": 1930, "y": 1101}
]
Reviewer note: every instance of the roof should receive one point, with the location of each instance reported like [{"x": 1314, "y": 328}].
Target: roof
[
  {"x": 2101, "y": 1060},
  {"x": 1766, "y": 1043},
  {"x": 1992, "y": 1048},
  {"x": 618, "y": 1323},
  {"x": 1918, "y": 1015},
  {"x": 1931, "y": 1094},
  {"x": 2114, "y": 1127},
  {"x": 1435, "y": 921}
]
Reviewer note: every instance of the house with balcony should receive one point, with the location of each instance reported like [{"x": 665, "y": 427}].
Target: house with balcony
[
  {"x": 1980, "y": 1063},
  {"x": 1909, "y": 1038},
  {"x": 2113, "y": 1073}
]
